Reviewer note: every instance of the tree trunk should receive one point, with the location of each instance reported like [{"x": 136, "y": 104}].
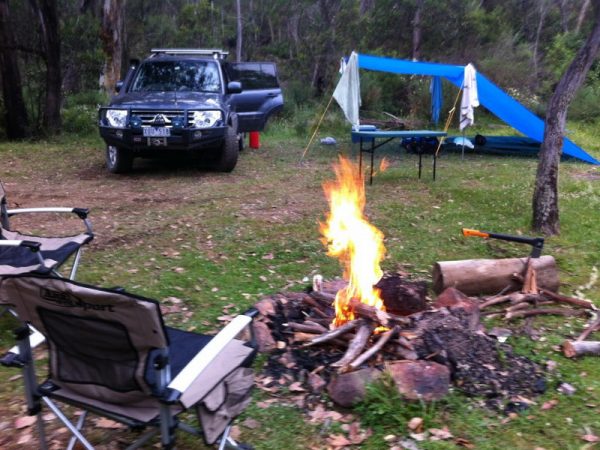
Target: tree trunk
[
  {"x": 17, "y": 121},
  {"x": 112, "y": 35},
  {"x": 545, "y": 195},
  {"x": 417, "y": 31},
  {"x": 238, "y": 40},
  {"x": 582, "y": 14},
  {"x": 47, "y": 13},
  {"x": 543, "y": 9}
]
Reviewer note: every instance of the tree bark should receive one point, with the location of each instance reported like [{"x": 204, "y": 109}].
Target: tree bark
[
  {"x": 238, "y": 40},
  {"x": 47, "y": 13},
  {"x": 417, "y": 31},
  {"x": 545, "y": 195},
  {"x": 17, "y": 120},
  {"x": 112, "y": 35},
  {"x": 582, "y": 14}
]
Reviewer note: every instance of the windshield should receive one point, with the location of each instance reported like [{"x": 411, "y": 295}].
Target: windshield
[{"x": 200, "y": 76}]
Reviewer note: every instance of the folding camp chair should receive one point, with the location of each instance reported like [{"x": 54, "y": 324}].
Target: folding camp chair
[
  {"x": 110, "y": 354},
  {"x": 15, "y": 252},
  {"x": 22, "y": 253}
]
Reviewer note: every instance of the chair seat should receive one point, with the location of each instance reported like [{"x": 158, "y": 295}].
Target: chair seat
[{"x": 55, "y": 251}]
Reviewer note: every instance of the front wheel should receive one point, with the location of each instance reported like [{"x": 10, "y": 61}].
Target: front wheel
[
  {"x": 118, "y": 160},
  {"x": 228, "y": 157}
]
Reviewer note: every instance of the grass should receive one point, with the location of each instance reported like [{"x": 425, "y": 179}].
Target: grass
[{"x": 220, "y": 242}]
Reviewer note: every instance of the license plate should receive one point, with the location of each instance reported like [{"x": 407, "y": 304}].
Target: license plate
[
  {"x": 157, "y": 142},
  {"x": 156, "y": 132}
]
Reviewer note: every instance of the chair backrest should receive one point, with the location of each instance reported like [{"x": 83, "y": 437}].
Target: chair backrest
[
  {"x": 99, "y": 340},
  {"x": 3, "y": 208}
]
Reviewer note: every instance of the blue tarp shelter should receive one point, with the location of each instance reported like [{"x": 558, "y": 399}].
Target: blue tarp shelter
[{"x": 491, "y": 96}]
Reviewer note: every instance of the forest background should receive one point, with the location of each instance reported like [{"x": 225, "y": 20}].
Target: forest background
[{"x": 62, "y": 57}]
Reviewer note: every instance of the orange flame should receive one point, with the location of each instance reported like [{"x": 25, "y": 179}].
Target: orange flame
[{"x": 349, "y": 237}]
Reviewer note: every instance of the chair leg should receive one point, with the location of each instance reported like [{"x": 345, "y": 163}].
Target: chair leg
[
  {"x": 75, "y": 264},
  {"x": 72, "y": 428},
  {"x": 167, "y": 427},
  {"x": 227, "y": 441},
  {"x": 79, "y": 426}
]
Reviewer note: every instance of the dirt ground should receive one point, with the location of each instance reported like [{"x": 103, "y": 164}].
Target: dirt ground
[{"x": 159, "y": 198}]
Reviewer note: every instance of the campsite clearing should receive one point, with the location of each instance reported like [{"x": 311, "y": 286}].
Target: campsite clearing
[{"x": 209, "y": 244}]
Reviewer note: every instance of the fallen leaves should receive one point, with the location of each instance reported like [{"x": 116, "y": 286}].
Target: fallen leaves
[
  {"x": 24, "y": 422},
  {"x": 549, "y": 405}
]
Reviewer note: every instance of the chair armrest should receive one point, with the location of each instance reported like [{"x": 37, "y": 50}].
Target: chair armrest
[
  {"x": 205, "y": 356},
  {"x": 35, "y": 339},
  {"x": 33, "y": 246},
  {"x": 82, "y": 213}
]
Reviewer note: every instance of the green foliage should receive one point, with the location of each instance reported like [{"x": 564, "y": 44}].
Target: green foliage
[
  {"x": 384, "y": 408},
  {"x": 560, "y": 53},
  {"x": 586, "y": 104},
  {"x": 80, "y": 112}
]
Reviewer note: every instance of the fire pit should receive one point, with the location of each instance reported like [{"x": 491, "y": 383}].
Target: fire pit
[{"x": 340, "y": 335}]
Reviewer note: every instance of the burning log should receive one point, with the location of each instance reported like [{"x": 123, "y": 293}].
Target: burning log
[
  {"x": 488, "y": 276},
  {"x": 356, "y": 345},
  {"x": 376, "y": 315},
  {"x": 572, "y": 349},
  {"x": 330, "y": 335}
]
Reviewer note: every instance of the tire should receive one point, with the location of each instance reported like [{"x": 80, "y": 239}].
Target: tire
[
  {"x": 118, "y": 160},
  {"x": 229, "y": 153}
]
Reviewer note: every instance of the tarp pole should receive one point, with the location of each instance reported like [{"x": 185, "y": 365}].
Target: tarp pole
[{"x": 316, "y": 129}]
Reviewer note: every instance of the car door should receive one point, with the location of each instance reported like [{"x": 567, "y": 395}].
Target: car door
[{"x": 260, "y": 97}]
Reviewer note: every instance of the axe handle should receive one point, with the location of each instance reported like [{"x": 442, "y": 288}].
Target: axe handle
[{"x": 537, "y": 243}]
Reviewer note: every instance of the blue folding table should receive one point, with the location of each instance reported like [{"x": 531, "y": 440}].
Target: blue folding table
[{"x": 369, "y": 137}]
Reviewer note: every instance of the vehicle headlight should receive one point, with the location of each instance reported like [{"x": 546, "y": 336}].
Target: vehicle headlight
[
  {"x": 116, "y": 117},
  {"x": 205, "y": 119}
]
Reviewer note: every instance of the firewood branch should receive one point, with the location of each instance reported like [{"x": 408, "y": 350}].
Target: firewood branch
[
  {"x": 383, "y": 339},
  {"x": 543, "y": 311},
  {"x": 570, "y": 300},
  {"x": 593, "y": 326},
  {"x": 335, "y": 333},
  {"x": 356, "y": 345}
]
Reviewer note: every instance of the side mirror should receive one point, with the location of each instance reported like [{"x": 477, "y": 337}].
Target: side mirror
[
  {"x": 118, "y": 86},
  {"x": 234, "y": 87}
]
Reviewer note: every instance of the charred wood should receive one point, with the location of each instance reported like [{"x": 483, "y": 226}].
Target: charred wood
[{"x": 330, "y": 335}]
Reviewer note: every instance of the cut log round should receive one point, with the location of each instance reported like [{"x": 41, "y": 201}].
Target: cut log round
[
  {"x": 572, "y": 349},
  {"x": 490, "y": 276}
]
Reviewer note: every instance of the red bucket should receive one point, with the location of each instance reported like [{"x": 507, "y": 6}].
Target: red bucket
[{"x": 254, "y": 139}]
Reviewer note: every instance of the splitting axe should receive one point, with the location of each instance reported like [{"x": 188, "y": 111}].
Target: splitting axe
[{"x": 536, "y": 243}]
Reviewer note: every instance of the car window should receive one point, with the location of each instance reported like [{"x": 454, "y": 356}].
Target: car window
[
  {"x": 202, "y": 76},
  {"x": 254, "y": 75}
]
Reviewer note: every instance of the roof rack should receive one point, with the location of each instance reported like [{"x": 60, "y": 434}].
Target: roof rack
[{"x": 216, "y": 53}]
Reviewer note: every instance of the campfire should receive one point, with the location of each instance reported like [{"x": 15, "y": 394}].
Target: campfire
[
  {"x": 353, "y": 240},
  {"x": 341, "y": 334}
]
